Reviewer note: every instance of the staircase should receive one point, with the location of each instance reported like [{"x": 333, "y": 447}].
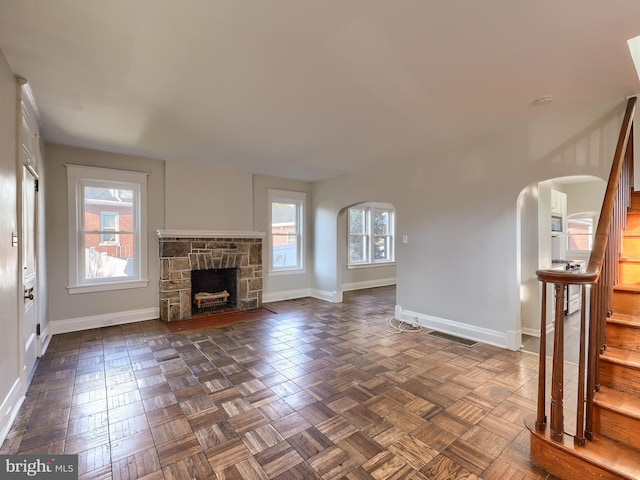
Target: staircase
[
  {"x": 606, "y": 443},
  {"x": 614, "y": 450},
  {"x": 617, "y": 404}
]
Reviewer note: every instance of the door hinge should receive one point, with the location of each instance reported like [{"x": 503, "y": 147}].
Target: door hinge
[
  {"x": 36, "y": 184},
  {"x": 38, "y": 329}
]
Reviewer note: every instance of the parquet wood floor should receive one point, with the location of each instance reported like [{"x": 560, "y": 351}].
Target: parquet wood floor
[{"x": 320, "y": 390}]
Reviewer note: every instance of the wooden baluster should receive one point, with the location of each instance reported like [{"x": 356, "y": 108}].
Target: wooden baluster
[
  {"x": 579, "y": 439},
  {"x": 594, "y": 310},
  {"x": 557, "y": 376},
  {"x": 541, "y": 418}
]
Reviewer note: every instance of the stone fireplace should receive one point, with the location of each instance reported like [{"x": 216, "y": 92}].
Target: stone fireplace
[{"x": 182, "y": 252}]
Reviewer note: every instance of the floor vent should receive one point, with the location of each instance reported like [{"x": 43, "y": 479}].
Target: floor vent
[{"x": 453, "y": 338}]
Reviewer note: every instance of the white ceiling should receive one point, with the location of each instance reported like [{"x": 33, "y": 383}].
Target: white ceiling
[{"x": 310, "y": 89}]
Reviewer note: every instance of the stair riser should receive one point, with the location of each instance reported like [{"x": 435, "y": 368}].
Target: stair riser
[
  {"x": 618, "y": 376},
  {"x": 623, "y": 336},
  {"x": 564, "y": 465},
  {"x": 629, "y": 272},
  {"x": 631, "y": 247},
  {"x": 635, "y": 203},
  {"x": 626, "y": 302},
  {"x": 633, "y": 223},
  {"x": 616, "y": 426}
]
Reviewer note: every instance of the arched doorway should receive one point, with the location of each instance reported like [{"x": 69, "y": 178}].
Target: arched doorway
[{"x": 557, "y": 221}]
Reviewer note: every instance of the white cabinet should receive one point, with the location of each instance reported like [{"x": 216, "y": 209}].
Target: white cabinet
[{"x": 558, "y": 203}]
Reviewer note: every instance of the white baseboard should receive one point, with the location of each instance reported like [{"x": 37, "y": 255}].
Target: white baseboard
[
  {"x": 333, "y": 297},
  {"x": 381, "y": 282},
  {"x": 285, "y": 295},
  {"x": 514, "y": 339},
  {"x": 508, "y": 339},
  {"x": 44, "y": 340},
  {"x": 536, "y": 332},
  {"x": 532, "y": 332},
  {"x": 106, "y": 320},
  {"x": 10, "y": 408}
]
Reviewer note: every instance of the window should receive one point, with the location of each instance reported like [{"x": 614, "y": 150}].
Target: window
[
  {"x": 580, "y": 233},
  {"x": 107, "y": 229},
  {"x": 109, "y": 223},
  {"x": 286, "y": 231},
  {"x": 371, "y": 234},
  {"x": 358, "y": 239}
]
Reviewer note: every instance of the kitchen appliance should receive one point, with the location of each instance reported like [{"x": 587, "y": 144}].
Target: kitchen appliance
[
  {"x": 557, "y": 224},
  {"x": 573, "y": 297}
]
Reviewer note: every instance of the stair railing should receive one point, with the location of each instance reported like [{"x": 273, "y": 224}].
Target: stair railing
[{"x": 596, "y": 284}]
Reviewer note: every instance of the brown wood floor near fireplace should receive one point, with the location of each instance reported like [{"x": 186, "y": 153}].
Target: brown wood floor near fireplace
[{"x": 319, "y": 390}]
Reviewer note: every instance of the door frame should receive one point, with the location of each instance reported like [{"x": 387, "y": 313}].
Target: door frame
[{"x": 29, "y": 157}]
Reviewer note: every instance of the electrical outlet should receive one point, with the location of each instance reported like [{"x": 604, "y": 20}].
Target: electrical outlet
[{"x": 405, "y": 238}]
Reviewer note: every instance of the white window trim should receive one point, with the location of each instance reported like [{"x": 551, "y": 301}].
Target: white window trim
[
  {"x": 75, "y": 175},
  {"x": 287, "y": 196},
  {"x": 371, "y": 262}
]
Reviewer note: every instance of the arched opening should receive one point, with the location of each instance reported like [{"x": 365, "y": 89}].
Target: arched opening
[
  {"x": 366, "y": 245},
  {"x": 557, "y": 219}
]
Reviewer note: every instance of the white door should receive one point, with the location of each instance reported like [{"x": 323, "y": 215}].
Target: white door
[{"x": 30, "y": 314}]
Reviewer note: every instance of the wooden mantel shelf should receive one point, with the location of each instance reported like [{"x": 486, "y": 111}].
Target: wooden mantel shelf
[{"x": 208, "y": 234}]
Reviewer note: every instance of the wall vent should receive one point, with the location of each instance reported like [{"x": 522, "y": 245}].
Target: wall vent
[{"x": 453, "y": 338}]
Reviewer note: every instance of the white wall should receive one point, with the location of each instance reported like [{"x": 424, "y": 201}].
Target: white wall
[
  {"x": 585, "y": 196},
  {"x": 206, "y": 198},
  {"x": 459, "y": 271},
  {"x": 10, "y": 390},
  {"x": 529, "y": 259},
  {"x": 90, "y": 310}
]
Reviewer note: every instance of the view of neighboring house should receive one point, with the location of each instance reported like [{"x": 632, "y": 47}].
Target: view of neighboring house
[
  {"x": 283, "y": 234},
  {"x": 108, "y": 226}
]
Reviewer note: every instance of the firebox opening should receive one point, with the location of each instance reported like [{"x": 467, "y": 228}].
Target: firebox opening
[{"x": 214, "y": 290}]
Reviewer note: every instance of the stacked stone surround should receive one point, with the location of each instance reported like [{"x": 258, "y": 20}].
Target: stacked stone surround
[{"x": 180, "y": 254}]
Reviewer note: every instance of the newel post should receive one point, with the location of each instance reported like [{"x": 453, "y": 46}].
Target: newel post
[
  {"x": 541, "y": 417},
  {"x": 557, "y": 375}
]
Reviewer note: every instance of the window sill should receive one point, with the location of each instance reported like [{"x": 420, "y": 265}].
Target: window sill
[
  {"x": 370, "y": 265},
  {"x": 293, "y": 271},
  {"x": 104, "y": 287}
]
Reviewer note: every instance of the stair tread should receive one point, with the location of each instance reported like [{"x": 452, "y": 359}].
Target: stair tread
[
  {"x": 630, "y": 260},
  {"x": 627, "y": 287},
  {"x": 625, "y": 319},
  {"x": 622, "y": 402},
  {"x": 623, "y": 357},
  {"x": 615, "y": 457}
]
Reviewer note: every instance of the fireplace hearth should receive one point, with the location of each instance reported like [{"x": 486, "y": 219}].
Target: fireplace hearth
[{"x": 232, "y": 262}]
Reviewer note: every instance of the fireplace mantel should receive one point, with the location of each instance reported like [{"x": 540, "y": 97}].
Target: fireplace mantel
[
  {"x": 208, "y": 234},
  {"x": 184, "y": 251}
]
